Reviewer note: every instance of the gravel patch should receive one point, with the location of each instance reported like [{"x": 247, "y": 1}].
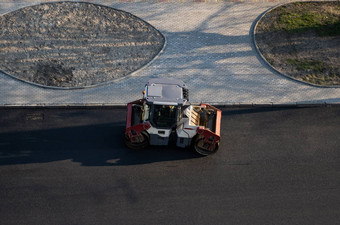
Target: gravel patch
[
  {"x": 302, "y": 54},
  {"x": 75, "y": 45}
]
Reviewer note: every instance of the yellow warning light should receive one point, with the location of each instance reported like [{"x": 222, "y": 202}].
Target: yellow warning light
[{"x": 143, "y": 92}]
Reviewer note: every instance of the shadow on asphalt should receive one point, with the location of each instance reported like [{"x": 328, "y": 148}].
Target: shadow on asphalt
[
  {"x": 94, "y": 137},
  {"x": 99, "y": 144},
  {"x": 95, "y": 145}
]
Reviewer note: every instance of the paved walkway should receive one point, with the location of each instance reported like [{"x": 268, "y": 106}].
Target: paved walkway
[{"x": 209, "y": 47}]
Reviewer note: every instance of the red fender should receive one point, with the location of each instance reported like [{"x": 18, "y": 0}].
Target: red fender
[{"x": 134, "y": 131}]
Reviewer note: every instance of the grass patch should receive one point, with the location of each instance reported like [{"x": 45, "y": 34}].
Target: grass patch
[
  {"x": 323, "y": 22},
  {"x": 316, "y": 72},
  {"x": 318, "y": 79},
  {"x": 301, "y": 40},
  {"x": 314, "y": 66}
]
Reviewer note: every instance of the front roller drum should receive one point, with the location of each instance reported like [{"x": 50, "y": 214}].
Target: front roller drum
[
  {"x": 139, "y": 142},
  {"x": 203, "y": 148}
]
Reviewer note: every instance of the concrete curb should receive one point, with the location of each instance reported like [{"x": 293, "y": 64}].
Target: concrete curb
[
  {"x": 99, "y": 84},
  {"x": 218, "y": 105},
  {"x": 265, "y": 60}
]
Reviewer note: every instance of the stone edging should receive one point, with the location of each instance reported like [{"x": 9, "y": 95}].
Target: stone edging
[
  {"x": 216, "y": 104},
  {"x": 99, "y": 84},
  {"x": 268, "y": 64}
]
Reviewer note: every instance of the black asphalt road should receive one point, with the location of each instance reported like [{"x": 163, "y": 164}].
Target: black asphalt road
[{"x": 69, "y": 166}]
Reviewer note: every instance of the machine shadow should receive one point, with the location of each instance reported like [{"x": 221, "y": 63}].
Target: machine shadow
[{"x": 93, "y": 145}]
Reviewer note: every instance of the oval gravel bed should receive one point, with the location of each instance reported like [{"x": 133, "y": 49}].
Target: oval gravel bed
[
  {"x": 74, "y": 45},
  {"x": 301, "y": 40}
]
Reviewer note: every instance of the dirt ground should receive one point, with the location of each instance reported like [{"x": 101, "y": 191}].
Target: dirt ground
[
  {"x": 69, "y": 44},
  {"x": 304, "y": 55}
]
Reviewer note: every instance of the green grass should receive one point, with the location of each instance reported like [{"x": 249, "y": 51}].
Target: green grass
[
  {"x": 312, "y": 21},
  {"x": 324, "y": 23},
  {"x": 314, "y": 71}
]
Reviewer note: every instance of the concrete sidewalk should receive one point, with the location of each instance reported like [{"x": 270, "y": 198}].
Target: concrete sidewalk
[{"x": 209, "y": 46}]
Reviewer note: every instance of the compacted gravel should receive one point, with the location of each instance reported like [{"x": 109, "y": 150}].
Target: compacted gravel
[{"x": 74, "y": 45}]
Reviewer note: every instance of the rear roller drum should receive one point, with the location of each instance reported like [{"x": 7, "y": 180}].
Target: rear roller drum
[{"x": 143, "y": 141}]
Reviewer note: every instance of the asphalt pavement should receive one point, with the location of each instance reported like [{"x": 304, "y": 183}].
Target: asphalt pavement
[{"x": 70, "y": 166}]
